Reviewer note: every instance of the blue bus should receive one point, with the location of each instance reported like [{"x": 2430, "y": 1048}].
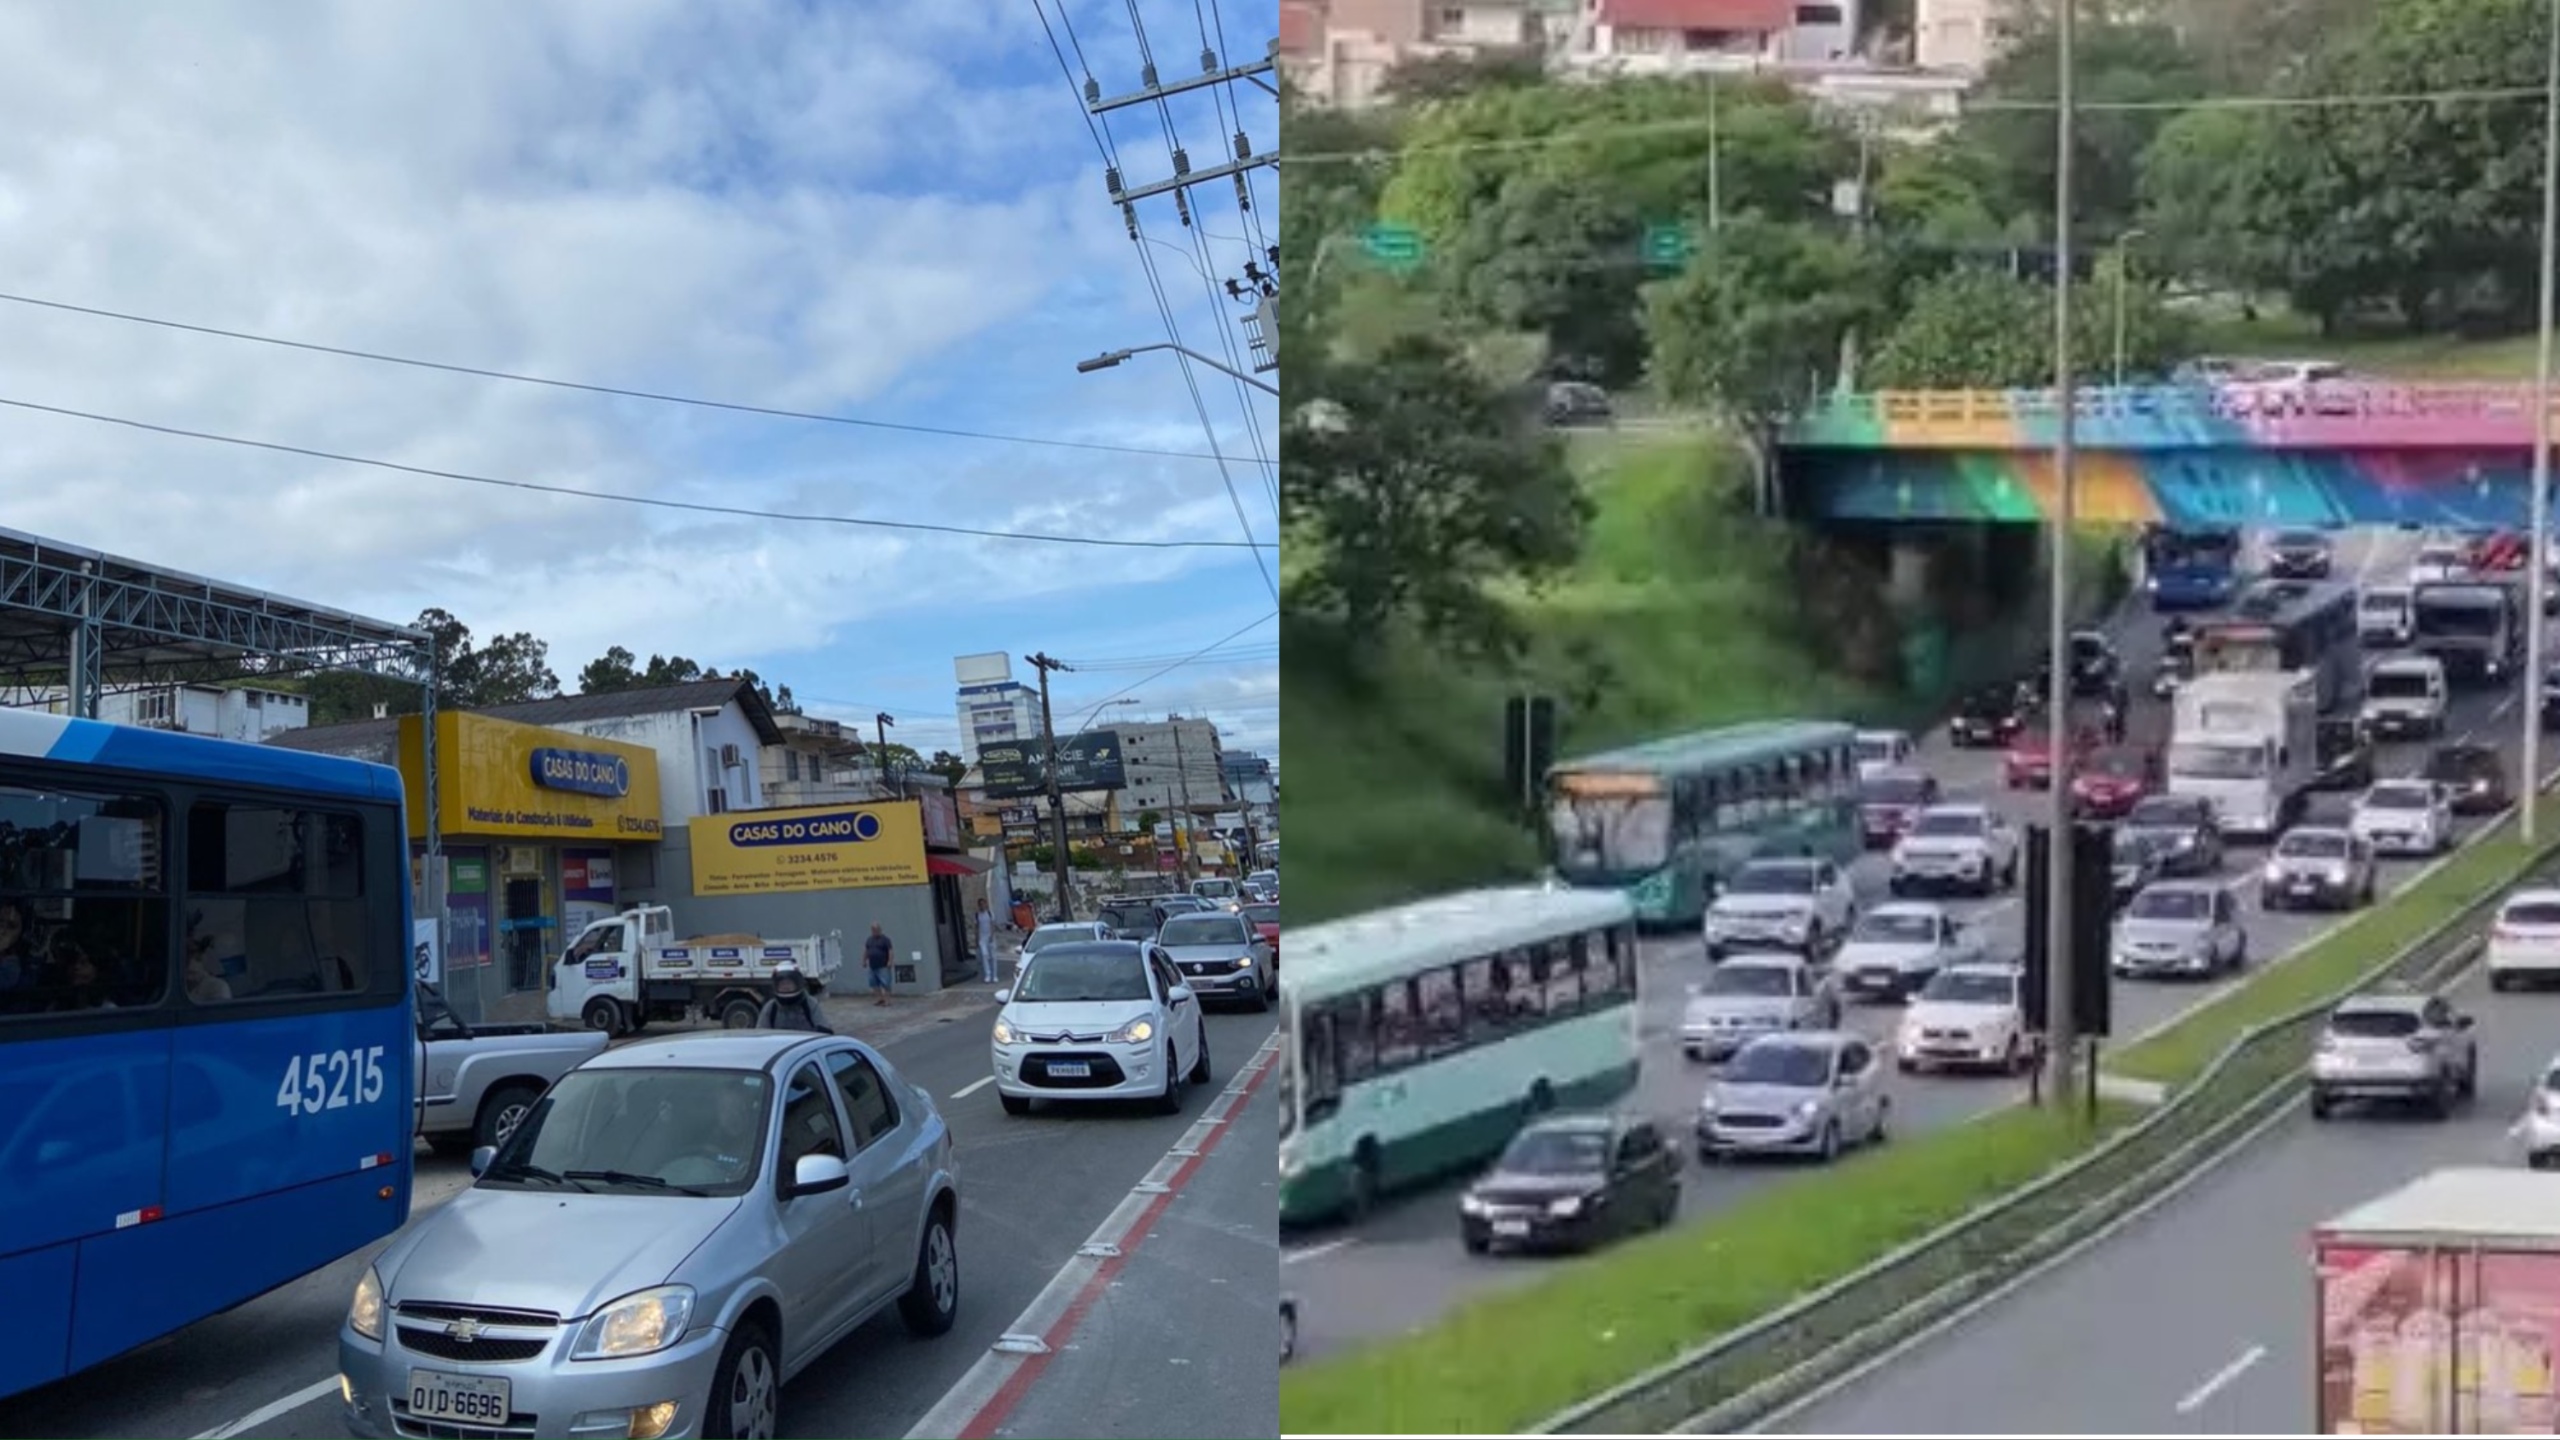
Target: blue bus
[
  {"x": 2304, "y": 626},
  {"x": 206, "y": 1047},
  {"x": 2190, "y": 569}
]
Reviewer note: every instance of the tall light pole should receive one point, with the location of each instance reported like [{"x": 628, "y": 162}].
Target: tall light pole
[
  {"x": 2060, "y": 1011},
  {"x": 2538, "y": 567},
  {"x": 2124, "y": 278}
]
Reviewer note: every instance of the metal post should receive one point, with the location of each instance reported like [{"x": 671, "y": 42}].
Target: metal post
[
  {"x": 1715, "y": 161},
  {"x": 1057, "y": 799},
  {"x": 87, "y": 677},
  {"x": 1182, "y": 856},
  {"x": 881, "y": 723},
  {"x": 430, "y": 789},
  {"x": 2064, "y": 1049},
  {"x": 2538, "y": 586}
]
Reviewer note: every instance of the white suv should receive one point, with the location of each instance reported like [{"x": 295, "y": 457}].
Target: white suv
[
  {"x": 2405, "y": 695},
  {"x": 1802, "y": 904},
  {"x": 1964, "y": 847},
  {"x": 2524, "y": 944}
]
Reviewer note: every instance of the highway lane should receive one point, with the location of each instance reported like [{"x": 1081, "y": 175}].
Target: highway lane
[
  {"x": 2199, "y": 1317},
  {"x": 1032, "y": 1189},
  {"x": 1402, "y": 1268}
]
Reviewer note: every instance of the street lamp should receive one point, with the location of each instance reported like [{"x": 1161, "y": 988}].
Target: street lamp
[
  {"x": 1108, "y": 359},
  {"x": 2124, "y": 275},
  {"x": 2540, "y": 504}
]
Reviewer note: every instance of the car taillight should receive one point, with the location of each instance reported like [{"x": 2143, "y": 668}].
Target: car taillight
[{"x": 2505, "y": 932}]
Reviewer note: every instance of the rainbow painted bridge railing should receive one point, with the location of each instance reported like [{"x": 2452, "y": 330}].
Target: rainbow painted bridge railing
[{"x": 2363, "y": 416}]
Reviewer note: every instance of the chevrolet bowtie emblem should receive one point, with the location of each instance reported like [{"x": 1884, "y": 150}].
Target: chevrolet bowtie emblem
[{"x": 463, "y": 1332}]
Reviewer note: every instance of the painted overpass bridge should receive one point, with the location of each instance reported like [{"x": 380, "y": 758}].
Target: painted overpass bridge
[{"x": 2398, "y": 454}]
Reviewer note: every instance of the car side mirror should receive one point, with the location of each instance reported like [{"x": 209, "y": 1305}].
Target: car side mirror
[
  {"x": 480, "y": 1159},
  {"x": 1179, "y": 994},
  {"x": 816, "y": 1175},
  {"x": 1004, "y": 997}
]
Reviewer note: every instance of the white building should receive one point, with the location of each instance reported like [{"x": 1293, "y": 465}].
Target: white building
[
  {"x": 216, "y": 710},
  {"x": 1958, "y": 36},
  {"x": 994, "y": 707},
  {"x": 1169, "y": 763}
]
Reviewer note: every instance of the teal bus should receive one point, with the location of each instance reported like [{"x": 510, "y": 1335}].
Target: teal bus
[
  {"x": 1421, "y": 1037},
  {"x": 1669, "y": 820}
]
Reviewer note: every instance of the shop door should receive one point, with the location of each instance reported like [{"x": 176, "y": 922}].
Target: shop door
[{"x": 525, "y": 932}]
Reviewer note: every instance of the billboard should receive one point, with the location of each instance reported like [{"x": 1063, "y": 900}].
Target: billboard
[
  {"x": 817, "y": 847},
  {"x": 508, "y": 780},
  {"x": 1013, "y": 769}
]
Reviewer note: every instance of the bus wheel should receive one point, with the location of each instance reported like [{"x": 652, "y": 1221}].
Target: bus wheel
[
  {"x": 1542, "y": 1098},
  {"x": 605, "y": 1014},
  {"x": 1360, "y": 1193}
]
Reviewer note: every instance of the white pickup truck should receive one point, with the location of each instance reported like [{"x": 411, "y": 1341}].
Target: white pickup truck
[
  {"x": 475, "y": 1082},
  {"x": 622, "y": 972}
]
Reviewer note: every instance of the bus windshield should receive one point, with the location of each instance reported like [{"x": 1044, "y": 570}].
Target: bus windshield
[
  {"x": 2463, "y": 618},
  {"x": 2397, "y": 685},
  {"x": 2192, "y": 550},
  {"x": 1606, "y": 833},
  {"x": 2206, "y": 760}
]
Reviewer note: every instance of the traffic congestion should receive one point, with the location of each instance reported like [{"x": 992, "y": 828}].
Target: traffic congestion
[{"x": 1823, "y": 999}]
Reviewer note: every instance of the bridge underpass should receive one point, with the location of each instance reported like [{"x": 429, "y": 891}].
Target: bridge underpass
[{"x": 2394, "y": 455}]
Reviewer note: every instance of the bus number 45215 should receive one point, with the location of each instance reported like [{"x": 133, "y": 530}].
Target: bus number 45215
[{"x": 331, "y": 1080}]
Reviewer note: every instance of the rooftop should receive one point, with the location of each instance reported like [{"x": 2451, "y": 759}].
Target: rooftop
[{"x": 567, "y": 709}]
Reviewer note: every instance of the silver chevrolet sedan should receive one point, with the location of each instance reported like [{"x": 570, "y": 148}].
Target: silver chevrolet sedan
[{"x": 677, "y": 1228}]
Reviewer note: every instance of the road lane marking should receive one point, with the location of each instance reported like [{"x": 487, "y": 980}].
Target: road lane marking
[
  {"x": 271, "y": 1410},
  {"x": 2502, "y": 707},
  {"x": 1314, "y": 1252},
  {"x": 973, "y": 1087},
  {"x": 2213, "y": 1383}
]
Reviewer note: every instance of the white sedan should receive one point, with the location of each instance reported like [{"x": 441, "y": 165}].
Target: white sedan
[
  {"x": 1105, "y": 1020},
  {"x": 2404, "y": 817},
  {"x": 1968, "y": 1016},
  {"x": 1898, "y": 947}
]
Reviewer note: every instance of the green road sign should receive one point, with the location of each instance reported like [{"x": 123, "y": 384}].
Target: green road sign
[
  {"x": 1393, "y": 245},
  {"x": 1668, "y": 247}
]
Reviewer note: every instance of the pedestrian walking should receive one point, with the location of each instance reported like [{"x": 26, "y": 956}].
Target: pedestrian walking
[
  {"x": 791, "y": 1006},
  {"x": 875, "y": 958},
  {"x": 986, "y": 943}
]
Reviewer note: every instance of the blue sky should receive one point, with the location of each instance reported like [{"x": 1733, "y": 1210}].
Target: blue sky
[{"x": 890, "y": 211}]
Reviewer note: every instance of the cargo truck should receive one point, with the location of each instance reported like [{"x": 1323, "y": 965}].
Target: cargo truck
[
  {"x": 2246, "y": 743},
  {"x": 2438, "y": 1306},
  {"x": 630, "y": 969}
]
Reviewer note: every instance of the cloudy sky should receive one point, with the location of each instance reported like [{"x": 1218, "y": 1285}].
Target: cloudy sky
[{"x": 889, "y": 210}]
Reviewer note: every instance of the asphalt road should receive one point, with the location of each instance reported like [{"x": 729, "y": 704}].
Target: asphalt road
[
  {"x": 1032, "y": 1188},
  {"x": 1403, "y": 1268},
  {"x": 2199, "y": 1318}
]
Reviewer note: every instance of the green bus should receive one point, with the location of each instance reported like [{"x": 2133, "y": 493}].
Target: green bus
[
  {"x": 1669, "y": 820},
  {"x": 1421, "y": 1037}
]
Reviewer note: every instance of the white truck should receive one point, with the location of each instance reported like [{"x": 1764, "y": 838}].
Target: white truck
[
  {"x": 2246, "y": 743},
  {"x": 625, "y": 971}
]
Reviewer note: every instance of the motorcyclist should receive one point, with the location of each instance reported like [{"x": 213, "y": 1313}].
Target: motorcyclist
[{"x": 792, "y": 1006}]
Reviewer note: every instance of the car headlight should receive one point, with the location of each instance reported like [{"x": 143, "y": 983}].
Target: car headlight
[
  {"x": 1005, "y": 1034},
  {"x": 1793, "y": 925},
  {"x": 1243, "y": 962},
  {"x": 1470, "y": 1205},
  {"x": 1566, "y": 1207},
  {"x": 1807, "y": 1109},
  {"x": 1707, "y": 1105},
  {"x": 2274, "y": 872},
  {"x": 2337, "y": 874},
  {"x": 1136, "y": 1032},
  {"x": 364, "y": 1311},
  {"x": 642, "y": 1323}
]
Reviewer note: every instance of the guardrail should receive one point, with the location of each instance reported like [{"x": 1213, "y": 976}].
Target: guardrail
[
  {"x": 2333, "y": 400},
  {"x": 1745, "y": 1375}
]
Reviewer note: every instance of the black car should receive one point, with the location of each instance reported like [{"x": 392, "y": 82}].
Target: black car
[
  {"x": 2344, "y": 756},
  {"x": 2300, "y": 555},
  {"x": 2095, "y": 668},
  {"x": 2475, "y": 776},
  {"x": 1986, "y": 719},
  {"x": 2137, "y": 863},
  {"x": 2182, "y": 828},
  {"x": 2551, "y": 694},
  {"x": 1570, "y": 1182}
]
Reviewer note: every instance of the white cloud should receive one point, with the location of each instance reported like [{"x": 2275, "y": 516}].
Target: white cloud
[{"x": 804, "y": 205}]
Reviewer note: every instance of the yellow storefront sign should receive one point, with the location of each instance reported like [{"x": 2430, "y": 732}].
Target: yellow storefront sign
[
  {"x": 496, "y": 777},
  {"x": 820, "y": 847}
]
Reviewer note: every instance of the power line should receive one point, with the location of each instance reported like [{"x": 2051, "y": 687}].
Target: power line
[
  {"x": 558, "y": 384},
  {"x": 1700, "y": 124},
  {"x": 1233, "y": 655},
  {"x": 650, "y": 502},
  {"x": 1244, "y": 629}
]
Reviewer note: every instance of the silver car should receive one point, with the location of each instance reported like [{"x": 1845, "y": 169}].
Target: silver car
[
  {"x": 1220, "y": 957},
  {"x": 2318, "y": 867},
  {"x": 1748, "y": 996},
  {"x": 2395, "y": 1045},
  {"x": 677, "y": 1229},
  {"x": 2187, "y": 928},
  {"x": 1807, "y": 1094}
]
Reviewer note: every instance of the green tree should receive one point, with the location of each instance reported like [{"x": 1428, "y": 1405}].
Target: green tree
[
  {"x": 1753, "y": 328},
  {"x": 1976, "y": 328},
  {"x": 615, "y": 670},
  {"x": 1446, "y": 77},
  {"x": 1413, "y": 483},
  {"x": 2211, "y": 191},
  {"x": 1340, "y": 162},
  {"x": 2115, "y": 64},
  {"x": 945, "y": 764},
  {"x": 1557, "y": 254},
  {"x": 510, "y": 670}
]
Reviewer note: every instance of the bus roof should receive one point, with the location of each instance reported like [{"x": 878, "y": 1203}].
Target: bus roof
[
  {"x": 2281, "y": 602},
  {"x": 1709, "y": 749},
  {"x": 36, "y": 735},
  {"x": 1359, "y": 950}
]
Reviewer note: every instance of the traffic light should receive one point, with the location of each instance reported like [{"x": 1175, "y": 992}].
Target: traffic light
[{"x": 2092, "y": 909}]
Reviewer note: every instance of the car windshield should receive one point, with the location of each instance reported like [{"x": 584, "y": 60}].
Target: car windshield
[
  {"x": 1783, "y": 877},
  {"x": 1802, "y": 1067},
  {"x": 1875, "y": 747},
  {"x": 1952, "y": 823},
  {"x": 2439, "y": 555},
  {"x": 1182, "y": 904},
  {"x": 2301, "y": 540},
  {"x": 1203, "y": 930},
  {"x": 1048, "y": 935},
  {"x": 2384, "y": 603},
  {"x": 2397, "y": 684},
  {"x": 1735, "y": 978},
  {"x": 1123, "y": 917},
  {"x": 1262, "y": 914},
  {"x": 1556, "y": 1152},
  {"x": 2120, "y": 762},
  {"x": 2313, "y": 845},
  {"x": 2462, "y": 765},
  {"x": 1896, "y": 927},
  {"x": 2166, "y": 813},
  {"x": 2374, "y": 1024},
  {"x": 2085, "y": 648},
  {"x": 671, "y": 1130},
  {"x": 1983, "y": 704},
  {"x": 1961, "y": 987},
  {"x": 2398, "y": 797},
  {"x": 1894, "y": 790},
  {"x": 2169, "y": 905},
  {"x": 1066, "y": 976}
]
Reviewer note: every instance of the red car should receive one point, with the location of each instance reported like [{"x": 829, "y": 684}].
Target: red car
[
  {"x": 2028, "y": 763},
  {"x": 1888, "y": 803},
  {"x": 2499, "y": 550},
  {"x": 1265, "y": 920},
  {"x": 2112, "y": 780}
]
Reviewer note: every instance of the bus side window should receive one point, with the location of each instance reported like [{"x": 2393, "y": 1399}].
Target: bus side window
[
  {"x": 1444, "y": 1014},
  {"x": 1399, "y": 1033},
  {"x": 1488, "y": 1004},
  {"x": 1317, "y": 1065},
  {"x": 1564, "y": 976},
  {"x": 1719, "y": 802},
  {"x": 84, "y": 922},
  {"x": 1527, "y": 980},
  {"x": 1622, "y": 949},
  {"x": 1357, "y": 1038},
  {"x": 275, "y": 900},
  {"x": 1598, "y": 965}
]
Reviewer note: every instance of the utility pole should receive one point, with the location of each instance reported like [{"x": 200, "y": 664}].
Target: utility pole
[
  {"x": 1182, "y": 784},
  {"x": 1057, "y": 801},
  {"x": 2061, "y": 1022},
  {"x": 881, "y": 723},
  {"x": 2538, "y": 569}
]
